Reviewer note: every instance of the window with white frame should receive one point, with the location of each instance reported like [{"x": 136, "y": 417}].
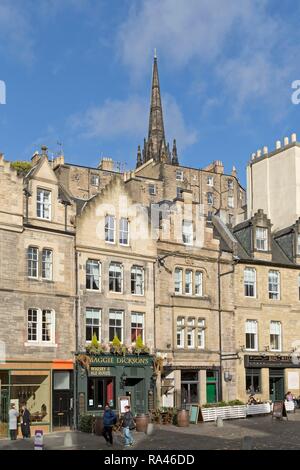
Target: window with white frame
[
  {"x": 152, "y": 189},
  {"x": 137, "y": 280},
  {"x": 230, "y": 184},
  {"x": 110, "y": 228},
  {"x": 210, "y": 181},
  {"x": 188, "y": 282},
  {"x": 201, "y": 333},
  {"x": 261, "y": 238},
  {"x": 47, "y": 261},
  {"x": 124, "y": 231},
  {"x": 251, "y": 335},
  {"x": 137, "y": 326},
  {"x": 32, "y": 261},
  {"x": 210, "y": 199},
  {"x": 274, "y": 285},
  {"x": 93, "y": 274},
  {"x": 116, "y": 324},
  {"x": 43, "y": 208},
  {"x": 178, "y": 192},
  {"x": 40, "y": 326},
  {"x": 199, "y": 283},
  {"x": 179, "y": 175},
  {"x": 116, "y": 277},
  {"x": 92, "y": 323},
  {"x": 250, "y": 282},
  {"x": 187, "y": 232},
  {"x": 275, "y": 336},
  {"x": 178, "y": 281},
  {"x": 191, "y": 333},
  {"x": 230, "y": 201},
  {"x": 94, "y": 180},
  {"x": 298, "y": 245},
  {"x": 180, "y": 332}
]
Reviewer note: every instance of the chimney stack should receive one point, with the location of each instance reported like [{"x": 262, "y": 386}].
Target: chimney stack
[
  {"x": 106, "y": 164},
  {"x": 35, "y": 158}
]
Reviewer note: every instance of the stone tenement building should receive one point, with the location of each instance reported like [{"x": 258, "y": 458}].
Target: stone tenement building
[{"x": 163, "y": 252}]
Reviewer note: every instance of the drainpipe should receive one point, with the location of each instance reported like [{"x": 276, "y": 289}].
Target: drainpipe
[{"x": 75, "y": 400}]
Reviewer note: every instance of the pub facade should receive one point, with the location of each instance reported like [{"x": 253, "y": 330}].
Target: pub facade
[{"x": 113, "y": 379}]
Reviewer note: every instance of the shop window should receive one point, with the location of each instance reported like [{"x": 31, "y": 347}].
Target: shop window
[
  {"x": 189, "y": 387},
  {"x": 253, "y": 380},
  {"x": 34, "y": 390},
  {"x": 100, "y": 392}
]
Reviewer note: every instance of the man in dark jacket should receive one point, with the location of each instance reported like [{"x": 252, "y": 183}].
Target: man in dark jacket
[
  {"x": 25, "y": 422},
  {"x": 128, "y": 425},
  {"x": 109, "y": 419}
]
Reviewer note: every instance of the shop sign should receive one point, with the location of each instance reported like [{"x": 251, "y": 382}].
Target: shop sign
[
  {"x": 269, "y": 361},
  {"x": 100, "y": 371},
  {"x": 121, "y": 361}
]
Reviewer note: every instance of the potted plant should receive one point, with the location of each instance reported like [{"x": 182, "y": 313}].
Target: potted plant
[
  {"x": 117, "y": 347},
  {"x": 139, "y": 347}
]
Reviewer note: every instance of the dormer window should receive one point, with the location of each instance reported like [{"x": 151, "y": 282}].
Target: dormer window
[
  {"x": 261, "y": 236},
  {"x": 43, "y": 208}
]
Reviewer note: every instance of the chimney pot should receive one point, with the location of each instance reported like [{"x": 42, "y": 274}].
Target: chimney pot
[
  {"x": 294, "y": 137},
  {"x": 286, "y": 141},
  {"x": 265, "y": 150},
  {"x": 258, "y": 153},
  {"x": 278, "y": 144},
  {"x": 253, "y": 155}
]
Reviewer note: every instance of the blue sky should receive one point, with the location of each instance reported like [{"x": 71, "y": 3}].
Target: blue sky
[{"x": 79, "y": 72}]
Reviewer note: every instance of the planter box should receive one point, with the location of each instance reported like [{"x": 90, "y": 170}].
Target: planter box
[
  {"x": 261, "y": 408},
  {"x": 224, "y": 412}
]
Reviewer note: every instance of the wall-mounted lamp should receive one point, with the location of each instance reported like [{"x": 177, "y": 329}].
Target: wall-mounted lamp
[{"x": 227, "y": 376}]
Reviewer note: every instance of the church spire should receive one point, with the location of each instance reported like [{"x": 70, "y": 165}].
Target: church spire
[
  {"x": 156, "y": 147},
  {"x": 156, "y": 131}
]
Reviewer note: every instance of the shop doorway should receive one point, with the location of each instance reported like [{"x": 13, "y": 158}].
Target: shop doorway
[
  {"x": 62, "y": 405},
  {"x": 276, "y": 381},
  {"x": 211, "y": 386},
  {"x": 189, "y": 388},
  {"x": 135, "y": 389}
]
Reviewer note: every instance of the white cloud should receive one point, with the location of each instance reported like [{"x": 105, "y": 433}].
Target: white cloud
[
  {"x": 129, "y": 118},
  {"x": 244, "y": 44}
]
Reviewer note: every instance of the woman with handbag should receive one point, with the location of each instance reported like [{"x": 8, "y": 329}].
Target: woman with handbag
[{"x": 128, "y": 425}]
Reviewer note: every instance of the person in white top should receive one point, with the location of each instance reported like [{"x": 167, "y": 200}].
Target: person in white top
[{"x": 13, "y": 422}]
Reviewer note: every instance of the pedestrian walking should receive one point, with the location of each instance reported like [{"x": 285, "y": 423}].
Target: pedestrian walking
[
  {"x": 128, "y": 425},
  {"x": 109, "y": 419},
  {"x": 25, "y": 422},
  {"x": 13, "y": 422}
]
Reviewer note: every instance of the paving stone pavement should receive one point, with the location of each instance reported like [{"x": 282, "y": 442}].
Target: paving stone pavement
[{"x": 263, "y": 433}]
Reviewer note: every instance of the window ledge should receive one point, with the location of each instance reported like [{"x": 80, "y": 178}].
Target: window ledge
[{"x": 40, "y": 345}]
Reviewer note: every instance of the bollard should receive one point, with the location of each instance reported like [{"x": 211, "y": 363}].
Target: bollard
[
  {"x": 247, "y": 443},
  {"x": 68, "y": 440},
  {"x": 150, "y": 429},
  {"x": 219, "y": 422}
]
